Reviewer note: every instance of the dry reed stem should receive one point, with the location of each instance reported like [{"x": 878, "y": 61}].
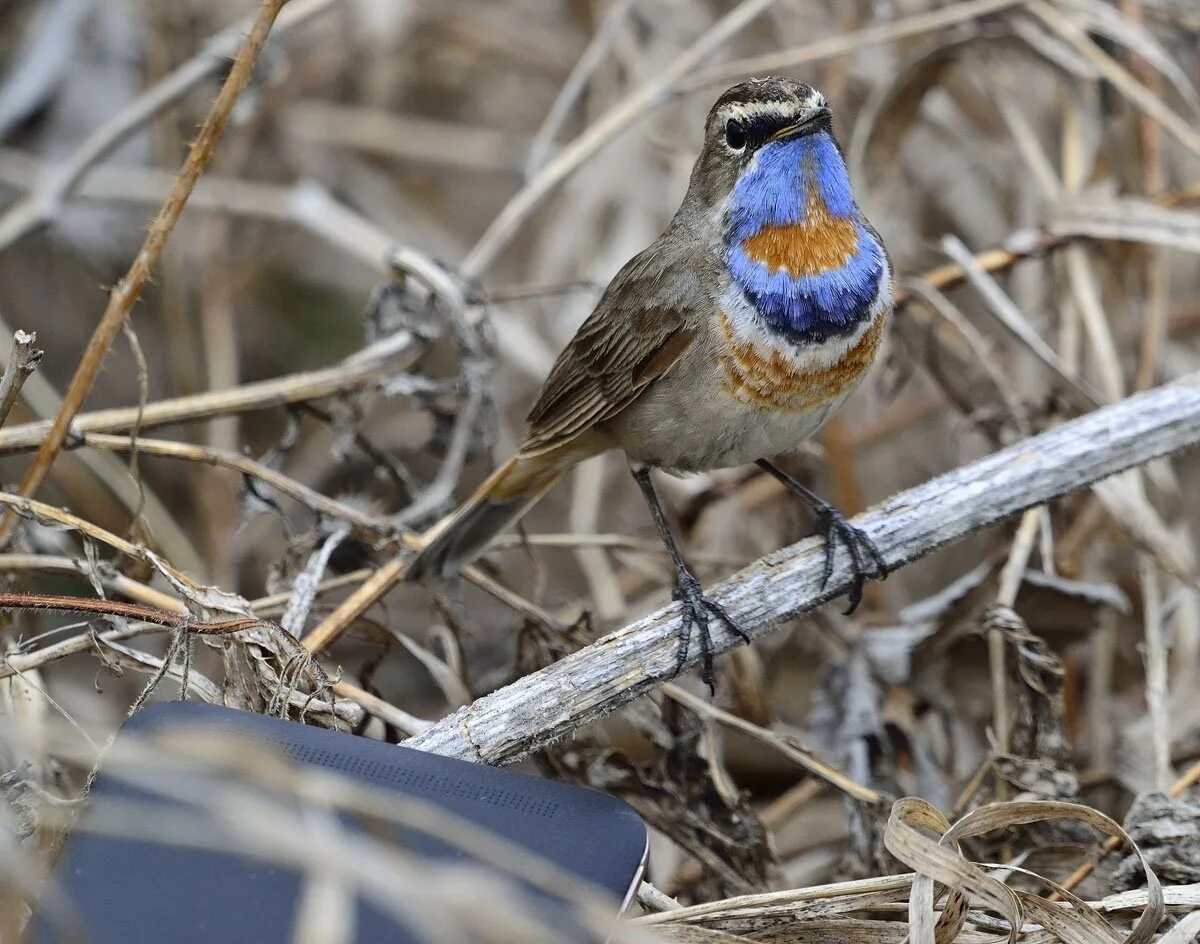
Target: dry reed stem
[
  {"x": 52, "y": 188},
  {"x": 30, "y": 506},
  {"x": 786, "y": 60},
  {"x": 364, "y": 596},
  {"x": 207, "y": 455},
  {"x": 1126, "y": 84},
  {"x": 605, "y": 130},
  {"x": 352, "y": 374},
  {"x": 116, "y": 582},
  {"x": 798, "y": 755},
  {"x": 1010, "y": 582},
  {"x": 129, "y": 288}
]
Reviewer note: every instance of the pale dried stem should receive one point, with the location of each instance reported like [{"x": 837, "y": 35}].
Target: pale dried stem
[
  {"x": 57, "y": 184},
  {"x": 23, "y": 360},
  {"x": 620, "y": 117},
  {"x": 366, "y": 595},
  {"x": 1011, "y": 318},
  {"x": 129, "y": 288},
  {"x": 366, "y": 368},
  {"x": 1141, "y": 97},
  {"x": 798, "y": 755},
  {"x": 1155, "y": 656},
  {"x": 572, "y": 89},
  {"x": 1010, "y": 583},
  {"x": 786, "y": 60}
]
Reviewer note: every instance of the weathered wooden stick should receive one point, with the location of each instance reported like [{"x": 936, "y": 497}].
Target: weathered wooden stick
[{"x": 549, "y": 704}]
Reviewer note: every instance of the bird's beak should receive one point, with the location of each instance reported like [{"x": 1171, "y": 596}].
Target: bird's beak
[{"x": 812, "y": 121}]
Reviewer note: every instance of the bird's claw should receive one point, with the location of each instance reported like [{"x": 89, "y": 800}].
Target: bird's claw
[
  {"x": 860, "y": 546},
  {"x": 697, "y": 611}
]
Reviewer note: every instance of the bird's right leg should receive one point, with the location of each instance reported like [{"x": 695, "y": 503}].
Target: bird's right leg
[
  {"x": 836, "y": 528},
  {"x": 697, "y": 608}
]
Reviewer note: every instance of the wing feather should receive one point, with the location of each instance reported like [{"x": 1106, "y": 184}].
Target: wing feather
[{"x": 642, "y": 325}]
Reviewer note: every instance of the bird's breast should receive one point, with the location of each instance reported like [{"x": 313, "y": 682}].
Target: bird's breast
[{"x": 759, "y": 370}]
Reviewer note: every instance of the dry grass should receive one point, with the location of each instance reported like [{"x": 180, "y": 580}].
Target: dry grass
[{"x": 252, "y": 454}]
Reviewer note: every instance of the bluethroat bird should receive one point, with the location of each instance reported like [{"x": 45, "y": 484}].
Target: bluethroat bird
[{"x": 733, "y": 337}]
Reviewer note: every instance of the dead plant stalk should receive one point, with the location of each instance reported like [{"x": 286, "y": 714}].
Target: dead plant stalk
[{"x": 127, "y": 291}]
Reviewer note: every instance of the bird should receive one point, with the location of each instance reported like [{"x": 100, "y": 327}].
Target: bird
[{"x": 728, "y": 341}]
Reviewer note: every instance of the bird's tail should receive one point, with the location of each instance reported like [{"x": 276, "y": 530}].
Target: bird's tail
[{"x": 510, "y": 491}]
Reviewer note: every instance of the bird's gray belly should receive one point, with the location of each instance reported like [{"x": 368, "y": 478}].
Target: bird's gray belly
[{"x": 673, "y": 427}]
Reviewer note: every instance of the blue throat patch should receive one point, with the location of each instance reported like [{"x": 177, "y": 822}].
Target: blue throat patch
[{"x": 784, "y": 181}]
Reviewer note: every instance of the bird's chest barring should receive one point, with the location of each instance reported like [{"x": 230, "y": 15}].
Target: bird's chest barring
[{"x": 757, "y": 373}]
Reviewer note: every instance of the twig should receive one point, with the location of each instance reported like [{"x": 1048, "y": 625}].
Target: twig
[
  {"x": 30, "y": 506},
  {"x": 654, "y": 900},
  {"x": 22, "y": 361},
  {"x": 171, "y": 614},
  {"x": 43, "y": 401},
  {"x": 798, "y": 755},
  {"x": 383, "y": 710},
  {"x": 1011, "y": 578},
  {"x": 306, "y": 496},
  {"x": 1189, "y": 779},
  {"x": 370, "y": 592},
  {"x": 786, "y": 60},
  {"x": 786, "y": 902},
  {"x": 362, "y": 599},
  {"x": 1141, "y": 97},
  {"x": 513, "y": 721},
  {"x": 40, "y": 205},
  {"x": 109, "y": 578},
  {"x": 351, "y": 374},
  {"x": 441, "y": 489},
  {"x": 603, "y": 131},
  {"x": 134, "y": 611},
  {"x": 129, "y": 288},
  {"x": 1007, "y": 313},
  {"x": 576, "y": 82}
]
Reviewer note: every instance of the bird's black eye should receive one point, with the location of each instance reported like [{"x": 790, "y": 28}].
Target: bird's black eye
[{"x": 735, "y": 134}]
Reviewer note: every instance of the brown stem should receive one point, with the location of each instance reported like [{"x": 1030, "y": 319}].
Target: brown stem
[
  {"x": 134, "y": 611},
  {"x": 129, "y": 289}
]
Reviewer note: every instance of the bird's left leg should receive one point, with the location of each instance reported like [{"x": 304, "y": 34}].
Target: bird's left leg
[
  {"x": 837, "y": 528},
  {"x": 697, "y": 608}
]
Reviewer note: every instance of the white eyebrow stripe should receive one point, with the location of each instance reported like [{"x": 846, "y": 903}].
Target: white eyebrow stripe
[{"x": 749, "y": 112}]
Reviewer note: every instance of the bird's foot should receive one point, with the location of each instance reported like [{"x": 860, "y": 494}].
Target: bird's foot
[
  {"x": 861, "y": 547},
  {"x": 698, "y": 610}
]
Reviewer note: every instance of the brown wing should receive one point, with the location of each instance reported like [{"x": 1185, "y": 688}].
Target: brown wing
[{"x": 643, "y": 323}]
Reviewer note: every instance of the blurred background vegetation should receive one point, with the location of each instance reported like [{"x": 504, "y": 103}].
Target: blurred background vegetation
[{"x": 1056, "y": 140}]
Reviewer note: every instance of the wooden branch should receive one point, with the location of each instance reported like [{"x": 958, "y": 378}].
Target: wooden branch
[
  {"x": 127, "y": 291},
  {"x": 549, "y": 704},
  {"x": 369, "y": 365},
  {"x": 22, "y": 361}
]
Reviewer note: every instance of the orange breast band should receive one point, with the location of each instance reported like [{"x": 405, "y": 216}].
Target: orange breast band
[{"x": 816, "y": 244}]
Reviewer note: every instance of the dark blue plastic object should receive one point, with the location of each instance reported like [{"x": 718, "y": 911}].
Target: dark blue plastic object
[{"x": 144, "y": 891}]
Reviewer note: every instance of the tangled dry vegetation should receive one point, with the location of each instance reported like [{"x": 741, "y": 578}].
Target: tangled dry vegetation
[{"x": 410, "y": 209}]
